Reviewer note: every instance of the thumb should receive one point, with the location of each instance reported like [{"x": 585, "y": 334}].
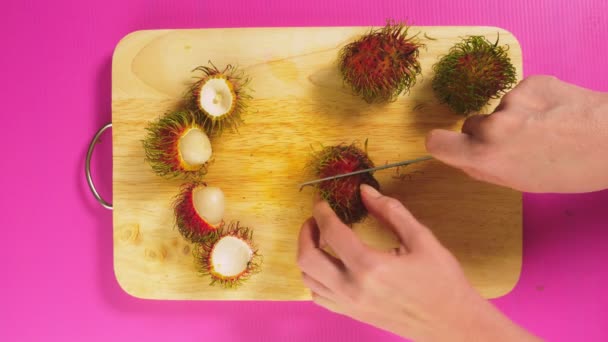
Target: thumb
[
  {"x": 390, "y": 212},
  {"x": 450, "y": 147}
]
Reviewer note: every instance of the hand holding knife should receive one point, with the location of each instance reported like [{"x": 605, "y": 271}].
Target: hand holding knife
[{"x": 387, "y": 166}]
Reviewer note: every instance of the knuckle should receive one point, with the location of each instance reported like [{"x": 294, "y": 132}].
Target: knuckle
[
  {"x": 532, "y": 79},
  {"x": 543, "y": 78},
  {"x": 533, "y": 82},
  {"x": 369, "y": 273},
  {"x": 511, "y": 96},
  {"x": 363, "y": 260},
  {"x": 495, "y": 125},
  {"x": 505, "y": 122}
]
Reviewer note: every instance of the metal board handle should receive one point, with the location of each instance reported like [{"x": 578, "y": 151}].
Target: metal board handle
[{"x": 87, "y": 168}]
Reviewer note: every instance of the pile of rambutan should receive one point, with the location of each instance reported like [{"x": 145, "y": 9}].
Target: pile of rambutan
[{"x": 178, "y": 144}]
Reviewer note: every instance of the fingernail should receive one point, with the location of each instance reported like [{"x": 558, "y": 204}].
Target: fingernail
[{"x": 370, "y": 191}]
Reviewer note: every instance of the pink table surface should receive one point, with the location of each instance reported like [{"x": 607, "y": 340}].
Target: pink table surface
[{"x": 56, "y": 251}]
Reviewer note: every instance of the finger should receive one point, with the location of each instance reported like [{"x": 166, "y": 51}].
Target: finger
[
  {"x": 482, "y": 127},
  {"x": 390, "y": 212},
  {"x": 341, "y": 238},
  {"x": 322, "y": 243},
  {"x": 316, "y": 286},
  {"x": 314, "y": 261},
  {"x": 472, "y": 125},
  {"x": 450, "y": 147}
]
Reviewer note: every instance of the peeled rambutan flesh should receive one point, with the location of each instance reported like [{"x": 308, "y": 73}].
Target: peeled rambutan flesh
[
  {"x": 382, "y": 64},
  {"x": 199, "y": 211},
  {"x": 229, "y": 256},
  {"x": 219, "y": 97},
  {"x": 472, "y": 73},
  {"x": 177, "y": 145},
  {"x": 343, "y": 194}
]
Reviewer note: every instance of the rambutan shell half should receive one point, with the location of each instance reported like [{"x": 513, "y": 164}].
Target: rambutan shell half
[
  {"x": 219, "y": 97},
  {"x": 176, "y": 145},
  {"x": 229, "y": 256},
  {"x": 199, "y": 211}
]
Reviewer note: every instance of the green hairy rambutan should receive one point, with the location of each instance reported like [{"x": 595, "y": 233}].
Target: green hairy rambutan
[
  {"x": 381, "y": 64},
  {"x": 176, "y": 145},
  {"x": 472, "y": 73},
  {"x": 343, "y": 194}
]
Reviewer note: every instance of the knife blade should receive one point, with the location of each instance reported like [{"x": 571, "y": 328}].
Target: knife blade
[{"x": 383, "y": 167}]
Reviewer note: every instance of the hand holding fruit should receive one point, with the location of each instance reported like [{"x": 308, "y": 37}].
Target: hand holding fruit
[
  {"x": 545, "y": 136},
  {"x": 417, "y": 291}
]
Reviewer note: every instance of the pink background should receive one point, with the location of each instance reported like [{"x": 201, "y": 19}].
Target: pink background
[{"x": 56, "y": 251}]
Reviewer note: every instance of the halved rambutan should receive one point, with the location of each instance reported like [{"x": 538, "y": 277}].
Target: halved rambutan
[
  {"x": 343, "y": 194},
  {"x": 381, "y": 64},
  {"x": 473, "y": 72},
  {"x": 177, "y": 145},
  {"x": 219, "y": 97},
  {"x": 199, "y": 210},
  {"x": 229, "y": 256}
]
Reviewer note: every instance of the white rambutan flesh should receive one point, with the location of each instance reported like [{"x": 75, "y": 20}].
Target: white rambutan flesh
[
  {"x": 230, "y": 256},
  {"x": 209, "y": 203},
  {"x": 195, "y": 147},
  {"x": 216, "y": 97}
]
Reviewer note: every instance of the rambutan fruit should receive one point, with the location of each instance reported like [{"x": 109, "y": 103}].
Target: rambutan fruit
[
  {"x": 381, "y": 64},
  {"x": 472, "y": 73},
  {"x": 229, "y": 256},
  {"x": 219, "y": 97},
  {"x": 177, "y": 145},
  {"x": 343, "y": 194},
  {"x": 199, "y": 210}
]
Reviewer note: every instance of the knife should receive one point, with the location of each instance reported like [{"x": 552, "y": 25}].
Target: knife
[{"x": 387, "y": 166}]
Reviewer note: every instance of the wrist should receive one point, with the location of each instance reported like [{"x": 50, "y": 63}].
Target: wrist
[
  {"x": 485, "y": 322},
  {"x": 477, "y": 320}
]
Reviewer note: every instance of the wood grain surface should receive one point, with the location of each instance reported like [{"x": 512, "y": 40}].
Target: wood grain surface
[{"x": 300, "y": 102}]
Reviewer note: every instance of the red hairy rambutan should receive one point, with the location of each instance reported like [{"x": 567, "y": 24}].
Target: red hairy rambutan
[
  {"x": 343, "y": 194},
  {"x": 229, "y": 256},
  {"x": 381, "y": 64},
  {"x": 199, "y": 210}
]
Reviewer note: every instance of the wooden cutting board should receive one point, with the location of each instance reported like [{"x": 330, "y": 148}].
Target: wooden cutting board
[{"x": 299, "y": 101}]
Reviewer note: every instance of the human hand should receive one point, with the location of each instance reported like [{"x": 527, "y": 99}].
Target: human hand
[
  {"x": 545, "y": 136},
  {"x": 417, "y": 291}
]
